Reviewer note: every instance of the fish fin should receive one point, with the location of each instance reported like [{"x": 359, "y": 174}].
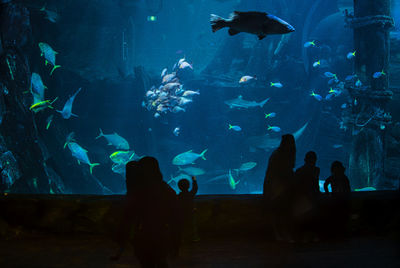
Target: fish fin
[
  {"x": 236, "y": 183},
  {"x": 58, "y": 111},
  {"x": 46, "y": 62},
  {"x": 43, "y": 8},
  {"x": 74, "y": 115},
  {"x": 217, "y": 22},
  {"x": 261, "y": 36},
  {"x": 202, "y": 154},
  {"x": 240, "y": 97},
  {"x": 54, "y": 100},
  {"x": 232, "y": 31},
  {"x": 100, "y": 135},
  {"x": 133, "y": 153},
  {"x": 79, "y": 162},
  {"x": 55, "y": 67},
  {"x": 92, "y": 166}
]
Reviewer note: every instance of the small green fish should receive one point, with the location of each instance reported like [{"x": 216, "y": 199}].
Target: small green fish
[
  {"x": 49, "y": 120},
  {"x": 231, "y": 180},
  {"x": 39, "y": 106}
]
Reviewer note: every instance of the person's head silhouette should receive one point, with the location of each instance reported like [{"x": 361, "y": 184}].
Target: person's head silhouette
[
  {"x": 288, "y": 143},
  {"x": 310, "y": 158},
  {"x": 150, "y": 169},
  {"x": 337, "y": 168},
  {"x": 184, "y": 185}
]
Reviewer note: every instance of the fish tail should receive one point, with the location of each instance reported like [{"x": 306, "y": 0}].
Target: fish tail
[
  {"x": 264, "y": 102},
  {"x": 217, "y": 22},
  {"x": 43, "y": 8},
  {"x": 230, "y": 126},
  {"x": 54, "y": 100},
  {"x": 101, "y": 134},
  {"x": 92, "y": 166},
  {"x": 55, "y": 67},
  {"x": 202, "y": 154}
]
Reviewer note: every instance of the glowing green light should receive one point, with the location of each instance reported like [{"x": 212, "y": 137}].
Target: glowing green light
[{"x": 151, "y": 18}]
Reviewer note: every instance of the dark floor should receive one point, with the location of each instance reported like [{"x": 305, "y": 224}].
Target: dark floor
[{"x": 94, "y": 251}]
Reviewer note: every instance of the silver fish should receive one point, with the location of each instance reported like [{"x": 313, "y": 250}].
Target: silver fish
[
  {"x": 49, "y": 55},
  {"x": 66, "y": 112},
  {"x": 115, "y": 139},
  {"x": 37, "y": 87},
  {"x": 81, "y": 155},
  {"x": 187, "y": 158},
  {"x": 193, "y": 171}
]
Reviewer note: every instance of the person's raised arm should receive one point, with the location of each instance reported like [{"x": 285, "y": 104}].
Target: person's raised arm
[
  {"x": 195, "y": 187},
  {"x": 327, "y": 182}
]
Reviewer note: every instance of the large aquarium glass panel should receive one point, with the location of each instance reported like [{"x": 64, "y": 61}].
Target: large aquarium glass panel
[{"x": 87, "y": 86}]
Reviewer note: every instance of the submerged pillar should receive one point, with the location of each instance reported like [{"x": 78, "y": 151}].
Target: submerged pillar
[{"x": 367, "y": 116}]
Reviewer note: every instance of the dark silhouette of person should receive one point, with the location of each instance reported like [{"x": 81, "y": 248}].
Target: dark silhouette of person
[
  {"x": 152, "y": 211},
  {"x": 132, "y": 175},
  {"x": 306, "y": 197},
  {"x": 188, "y": 228},
  {"x": 338, "y": 180},
  {"x": 156, "y": 212},
  {"x": 278, "y": 184},
  {"x": 338, "y": 206}
]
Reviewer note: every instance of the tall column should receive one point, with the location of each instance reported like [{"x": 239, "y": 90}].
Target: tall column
[{"x": 367, "y": 116}]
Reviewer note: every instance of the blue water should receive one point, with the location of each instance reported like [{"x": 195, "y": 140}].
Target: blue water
[{"x": 99, "y": 49}]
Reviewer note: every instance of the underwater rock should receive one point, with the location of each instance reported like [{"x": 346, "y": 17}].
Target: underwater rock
[
  {"x": 14, "y": 25},
  {"x": 9, "y": 169}
]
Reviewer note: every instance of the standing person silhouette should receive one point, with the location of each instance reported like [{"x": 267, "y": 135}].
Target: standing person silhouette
[
  {"x": 306, "y": 198},
  {"x": 277, "y": 187},
  {"x": 133, "y": 179},
  {"x": 155, "y": 211},
  {"x": 152, "y": 210}
]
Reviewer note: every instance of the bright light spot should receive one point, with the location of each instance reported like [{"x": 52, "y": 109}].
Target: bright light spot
[{"x": 151, "y": 18}]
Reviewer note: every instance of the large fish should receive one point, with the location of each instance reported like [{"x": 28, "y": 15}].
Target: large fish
[
  {"x": 37, "y": 87},
  {"x": 258, "y": 23},
  {"x": 122, "y": 157},
  {"x": 81, "y": 155},
  {"x": 239, "y": 102},
  {"x": 49, "y": 55},
  {"x": 246, "y": 166},
  {"x": 115, "y": 139},
  {"x": 187, "y": 158},
  {"x": 269, "y": 143},
  {"x": 66, "y": 112},
  {"x": 193, "y": 171}
]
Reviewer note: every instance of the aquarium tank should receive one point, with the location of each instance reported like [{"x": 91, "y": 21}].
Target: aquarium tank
[{"x": 87, "y": 86}]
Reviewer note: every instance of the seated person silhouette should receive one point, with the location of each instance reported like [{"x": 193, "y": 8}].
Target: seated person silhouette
[
  {"x": 338, "y": 180},
  {"x": 186, "y": 206}
]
